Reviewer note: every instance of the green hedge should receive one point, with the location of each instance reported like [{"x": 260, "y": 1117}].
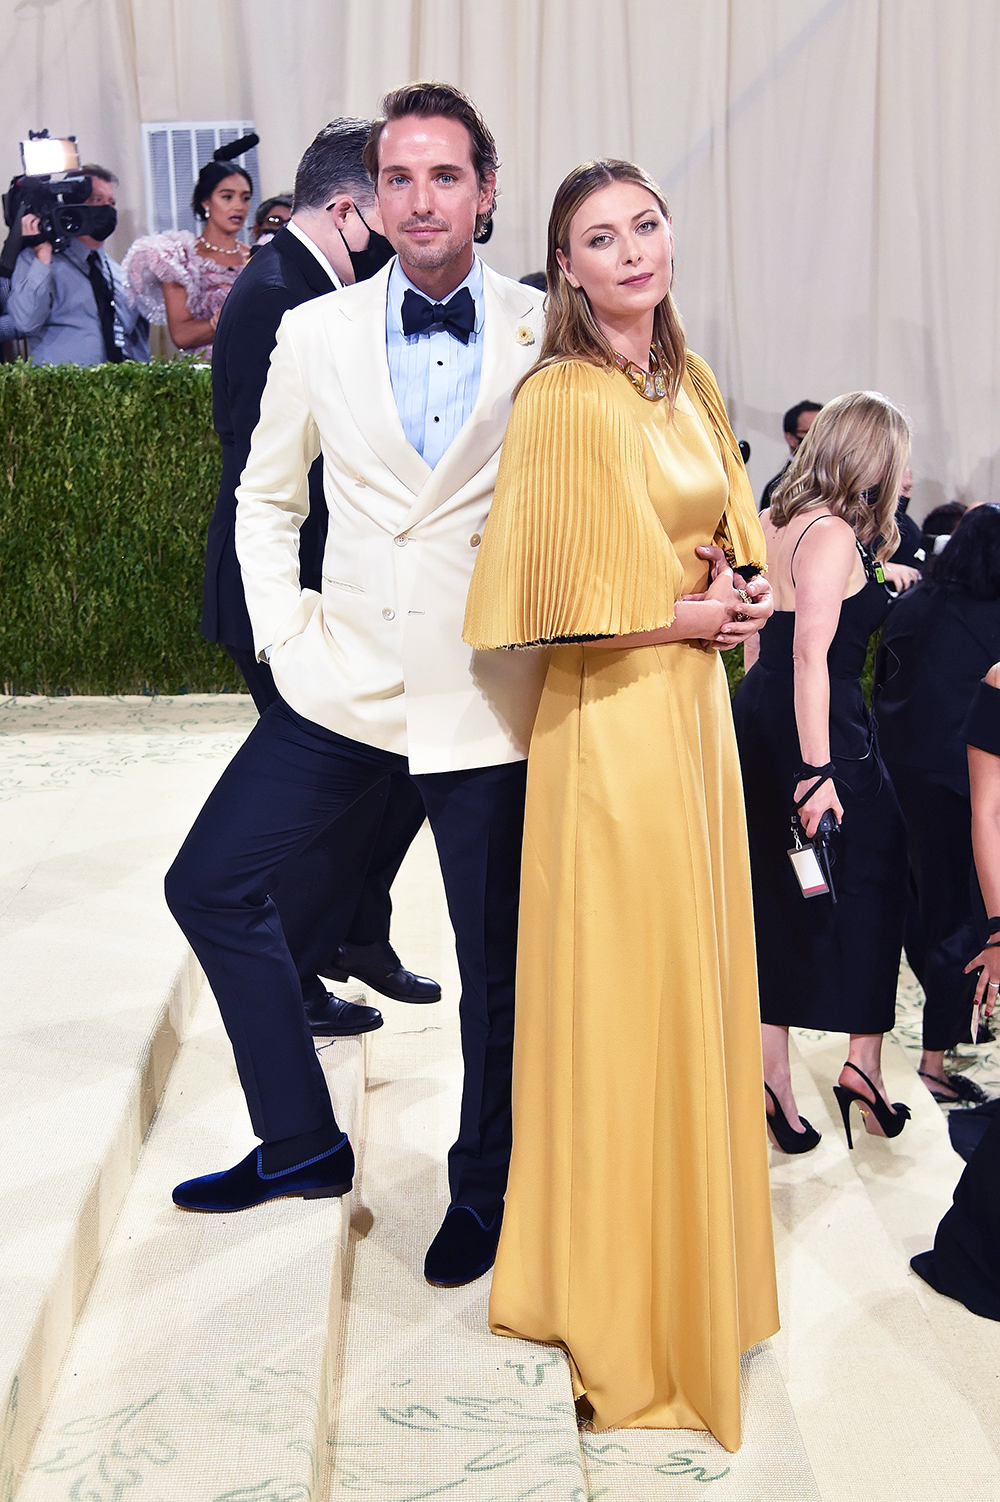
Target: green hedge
[{"x": 108, "y": 480}]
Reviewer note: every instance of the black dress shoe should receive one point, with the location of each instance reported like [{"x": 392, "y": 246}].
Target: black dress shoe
[
  {"x": 378, "y": 965},
  {"x": 463, "y": 1249},
  {"x": 323, "y": 1176},
  {"x": 336, "y": 1018}
]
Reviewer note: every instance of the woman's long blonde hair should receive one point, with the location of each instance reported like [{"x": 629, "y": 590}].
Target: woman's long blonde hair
[
  {"x": 571, "y": 330},
  {"x": 851, "y": 460}
]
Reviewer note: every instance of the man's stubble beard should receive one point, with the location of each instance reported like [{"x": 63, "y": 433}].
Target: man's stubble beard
[{"x": 431, "y": 257}]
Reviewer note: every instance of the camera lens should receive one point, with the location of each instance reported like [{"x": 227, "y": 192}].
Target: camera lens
[{"x": 70, "y": 220}]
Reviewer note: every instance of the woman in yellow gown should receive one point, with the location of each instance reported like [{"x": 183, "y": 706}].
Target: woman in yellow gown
[{"x": 637, "y": 1229}]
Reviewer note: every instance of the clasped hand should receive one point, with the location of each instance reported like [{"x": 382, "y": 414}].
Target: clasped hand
[{"x": 740, "y": 619}]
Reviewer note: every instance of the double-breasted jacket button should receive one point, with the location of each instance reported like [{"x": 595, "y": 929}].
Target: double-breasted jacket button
[
  {"x": 388, "y": 615},
  {"x": 475, "y": 540}
]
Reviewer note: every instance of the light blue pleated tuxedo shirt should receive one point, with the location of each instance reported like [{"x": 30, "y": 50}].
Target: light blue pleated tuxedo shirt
[{"x": 435, "y": 377}]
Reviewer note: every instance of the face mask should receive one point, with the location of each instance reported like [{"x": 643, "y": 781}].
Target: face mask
[
  {"x": 376, "y": 253},
  {"x": 103, "y": 221}
]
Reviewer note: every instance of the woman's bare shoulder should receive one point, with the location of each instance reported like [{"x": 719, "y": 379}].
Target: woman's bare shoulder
[{"x": 822, "y": 533}]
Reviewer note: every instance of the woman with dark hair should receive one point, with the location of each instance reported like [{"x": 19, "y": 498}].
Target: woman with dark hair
[
  {"x": 939, "y": 526},
  {"x": 938, "y": 642},
  {"x": 807, "y": 745},
  {"x": 181, "y": 279},
  {"x": 637, "y": 1227},
  {"x": 965, "y": 1261}
]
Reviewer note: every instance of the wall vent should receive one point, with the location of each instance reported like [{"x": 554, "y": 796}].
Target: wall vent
[{"x": 173, "y": 153}]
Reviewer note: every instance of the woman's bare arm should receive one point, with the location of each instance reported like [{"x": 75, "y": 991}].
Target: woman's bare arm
[
  {"x": 720, "y": 611},
  {"x": 823, "y": 566},
  {"x": 185, "y": 331}
]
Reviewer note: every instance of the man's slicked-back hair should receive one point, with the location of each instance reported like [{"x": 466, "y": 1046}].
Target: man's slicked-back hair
[
  {"x": 332, "y": 164},
  {"x": 426, "y": 100}
]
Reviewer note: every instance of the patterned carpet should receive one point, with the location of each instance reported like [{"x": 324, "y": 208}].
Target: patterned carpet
[{"x": 981, "y": 1063}]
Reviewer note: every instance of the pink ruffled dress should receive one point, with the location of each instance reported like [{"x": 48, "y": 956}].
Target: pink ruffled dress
[{"x": 173, "y": 257}]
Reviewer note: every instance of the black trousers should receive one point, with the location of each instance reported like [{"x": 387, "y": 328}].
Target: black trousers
[
  {"x": 289, "y": 781},
  {"x": 941, "y": 933},
  {"x": 336, "y": 891}
]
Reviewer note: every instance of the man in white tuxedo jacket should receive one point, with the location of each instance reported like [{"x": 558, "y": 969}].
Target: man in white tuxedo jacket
[{"x": 403, "y": 382}]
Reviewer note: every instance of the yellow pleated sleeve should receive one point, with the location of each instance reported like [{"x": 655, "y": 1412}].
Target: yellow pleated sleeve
[
  {"x": 572, "y": 547},
  {"x": 740, "y": 534}
]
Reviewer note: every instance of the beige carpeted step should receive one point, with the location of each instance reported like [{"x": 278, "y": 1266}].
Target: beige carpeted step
[
  {"x": 875, "y": 1394},
  {"x": 200, "y": 1365},
  {"x": 95, "y": 797},
  {"x": 910, "y": 1181}
]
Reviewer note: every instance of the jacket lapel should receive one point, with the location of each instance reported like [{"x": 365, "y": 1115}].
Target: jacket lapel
[
  {"x": 506, "y": 306},
  {"x": 357, "y": 342}
]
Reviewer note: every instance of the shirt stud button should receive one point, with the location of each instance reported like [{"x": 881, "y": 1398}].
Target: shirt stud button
[
  {"x": 388, "y": 615},
  {"x": 475, "y": 540}
]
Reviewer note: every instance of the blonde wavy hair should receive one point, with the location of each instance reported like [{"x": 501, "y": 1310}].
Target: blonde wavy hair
[
  {"x": 852, "y": 461},
  {"x": 571, "y": 330}
]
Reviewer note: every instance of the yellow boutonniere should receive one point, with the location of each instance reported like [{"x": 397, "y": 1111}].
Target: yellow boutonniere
[{"x": 524, "y": 334}]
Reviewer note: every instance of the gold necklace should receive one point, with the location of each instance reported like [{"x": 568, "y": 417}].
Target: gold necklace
[
  {"x": 651, "y": 384},
  {"x": 220, "y": 249}
]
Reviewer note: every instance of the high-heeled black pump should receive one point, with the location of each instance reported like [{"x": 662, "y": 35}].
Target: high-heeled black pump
[
  {"x": 785, "y": 1135},
  {"x": 892, "y": 1121}
]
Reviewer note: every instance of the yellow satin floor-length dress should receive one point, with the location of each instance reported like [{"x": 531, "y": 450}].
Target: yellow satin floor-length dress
[{"x": 637, "y": 1230}]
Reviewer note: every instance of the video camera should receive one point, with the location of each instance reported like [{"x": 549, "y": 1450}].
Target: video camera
[{"x": 53, "y": 188}]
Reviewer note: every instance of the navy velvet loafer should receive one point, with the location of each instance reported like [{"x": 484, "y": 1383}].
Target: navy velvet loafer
[
  {"x": 463, "y": 1249},
  {"x": 327, "y": 1175}
]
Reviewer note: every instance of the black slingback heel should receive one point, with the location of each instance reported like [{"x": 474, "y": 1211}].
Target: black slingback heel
[
  {"x": 784, "y": 1134},
  {"x": 892, "y": 1121}
]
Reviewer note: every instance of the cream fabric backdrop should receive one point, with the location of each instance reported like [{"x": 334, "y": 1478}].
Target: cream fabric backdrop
[{"x": 832, "y": 164}]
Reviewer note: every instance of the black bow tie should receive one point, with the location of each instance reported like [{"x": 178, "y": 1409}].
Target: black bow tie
[{"x": 457, "y": 316}]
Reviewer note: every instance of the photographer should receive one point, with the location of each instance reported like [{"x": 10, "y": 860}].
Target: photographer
[
  {"x": 72, "y": 306},
  {"x": 8, "y": 328}
]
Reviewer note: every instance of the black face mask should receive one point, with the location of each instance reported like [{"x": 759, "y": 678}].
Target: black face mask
[
  {"x": 375, "y": 255},
  {"x": 102, "y": 221}
]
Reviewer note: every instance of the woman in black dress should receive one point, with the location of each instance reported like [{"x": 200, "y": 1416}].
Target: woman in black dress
[
  {"x": 807, "y": 741},
  {"x": 965, "y": 1260},
  {"x": 938, "y": 642}
]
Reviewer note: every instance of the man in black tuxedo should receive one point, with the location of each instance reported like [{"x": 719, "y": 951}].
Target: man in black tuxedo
[{"x": 333, "y": 896}]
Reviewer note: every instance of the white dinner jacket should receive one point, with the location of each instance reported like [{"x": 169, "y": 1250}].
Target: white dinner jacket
[{"x": 379, "y": 656}]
